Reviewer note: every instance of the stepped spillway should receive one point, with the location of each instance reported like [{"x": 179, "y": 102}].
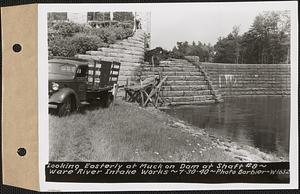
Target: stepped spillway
[
  {"x": 185, "y": 84},
  {"x": 250, "y": 79}
]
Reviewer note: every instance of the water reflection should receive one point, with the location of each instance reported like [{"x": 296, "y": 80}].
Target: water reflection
[{"x": 262, "y": 122}]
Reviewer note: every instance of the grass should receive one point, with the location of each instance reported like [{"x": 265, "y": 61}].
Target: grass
[{"x": 127, "y": 132}]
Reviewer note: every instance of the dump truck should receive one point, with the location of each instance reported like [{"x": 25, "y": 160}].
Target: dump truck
[{"x": 73, "y": 82}]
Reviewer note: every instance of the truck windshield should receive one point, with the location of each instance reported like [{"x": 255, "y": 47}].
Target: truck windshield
[{"x": 61, "y": 68}]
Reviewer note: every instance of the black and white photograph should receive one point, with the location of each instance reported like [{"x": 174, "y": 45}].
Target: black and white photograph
[{"x": 170, "y": 94}]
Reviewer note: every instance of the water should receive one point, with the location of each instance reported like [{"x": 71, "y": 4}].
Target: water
[{"x": 261, "y": 122}]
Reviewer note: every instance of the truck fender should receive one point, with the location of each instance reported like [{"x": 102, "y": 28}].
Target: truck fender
[{"x": 59, "y": 96}]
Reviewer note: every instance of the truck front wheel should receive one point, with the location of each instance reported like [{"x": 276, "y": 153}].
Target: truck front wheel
[{"x": 65, "y": 108}]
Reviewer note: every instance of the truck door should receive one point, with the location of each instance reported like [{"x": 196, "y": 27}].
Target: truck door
[{"x": 81, "y": 79}]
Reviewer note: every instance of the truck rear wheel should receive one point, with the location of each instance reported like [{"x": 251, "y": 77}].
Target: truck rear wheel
[
  {"x": 65, "y": 108},
  {"x": 106, "y": 99}
]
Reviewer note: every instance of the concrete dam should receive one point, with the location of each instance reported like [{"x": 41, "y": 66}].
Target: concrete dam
[
  {"x": 250, "y": 79},
  {"x": 191, "y": 82}
]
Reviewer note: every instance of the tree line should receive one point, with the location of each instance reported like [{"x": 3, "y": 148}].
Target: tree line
[{"x": 266, "y": 42}]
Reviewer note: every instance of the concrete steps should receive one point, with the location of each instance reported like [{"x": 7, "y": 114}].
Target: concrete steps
[
  {"x": 180, "y": 78},
  {"x": 115, "y": 52},
  {"x": 191, "y": 98},
  {"x": 185, "y": 84},
  {"x": 169, "y": 65},
  {"x": 129, "y": 52},
  {"x": 124, "y": 47},
  {"x": 186, "y": 78},
  {"x": 201, "y": 102},
  {"x": 185, "y": 93},
  {"x": 169, "y": 68},
  {"x": 186, "y": 87},
  {"x": 176, "y": 73},
  {"x": 128, "y": 44},
  {"x": 105, "y": 58},
  {"x": 119, "y": 56}
]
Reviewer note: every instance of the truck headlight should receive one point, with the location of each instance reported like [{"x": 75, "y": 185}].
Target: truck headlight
[{"x": 55, "y": 86}]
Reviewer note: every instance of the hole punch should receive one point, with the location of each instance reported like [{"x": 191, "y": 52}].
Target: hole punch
[
  {"x": 21, "y": 151},
  {"x": 17, "y": 48}
]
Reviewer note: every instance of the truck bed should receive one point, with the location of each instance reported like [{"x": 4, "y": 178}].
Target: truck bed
[
  {"x": 102, "y": 75},
  {"x": 99, "y": 89}
]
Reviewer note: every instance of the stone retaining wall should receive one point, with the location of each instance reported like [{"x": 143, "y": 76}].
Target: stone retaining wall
[
  {"x": 129, "y": 52},
  {"x": 249, "y": 79}
]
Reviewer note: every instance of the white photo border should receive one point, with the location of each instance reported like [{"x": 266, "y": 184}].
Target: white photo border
[{"x": 43, "y": 125}]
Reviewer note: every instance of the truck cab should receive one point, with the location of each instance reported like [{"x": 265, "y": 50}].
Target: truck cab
[{"x": 73, "y": 81}]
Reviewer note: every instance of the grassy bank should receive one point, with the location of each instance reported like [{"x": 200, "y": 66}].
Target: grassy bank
[{"x": 127, "y": 132}]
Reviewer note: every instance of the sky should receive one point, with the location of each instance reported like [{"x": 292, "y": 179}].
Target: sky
[
  {"x": 205, "y": 23},
  {"x": 174, "y": 22}
]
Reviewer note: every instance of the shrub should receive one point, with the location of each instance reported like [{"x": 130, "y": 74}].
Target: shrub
[
  {"x": 83, "y": 43},
  {"x": 176, "y": 55},
  {"x": 61, "y": 47},
  {"x": 78, "y": 44},
  {"x": 126, "y": 25},
  {"x": 107, "y": 34},
  {"x": 157, "y": 55},
  {"x": 122, "y": 33},
  {"x": 68, "y": 29},
  {"x": 68, "y": 39},
  {"x": 112, "y": 33}
]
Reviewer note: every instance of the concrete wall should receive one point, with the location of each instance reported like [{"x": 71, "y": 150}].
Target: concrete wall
[
  {"x": 129, "y": 52},
  {"x": 249, "y": 79}
]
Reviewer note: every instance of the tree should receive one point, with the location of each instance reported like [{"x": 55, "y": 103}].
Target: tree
[
  {"x": 203, "y": 51},
  {"x": 227, "y": 50},
  {"x": 237, "y": 45},
  {"x": 268, "y": 39}
]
